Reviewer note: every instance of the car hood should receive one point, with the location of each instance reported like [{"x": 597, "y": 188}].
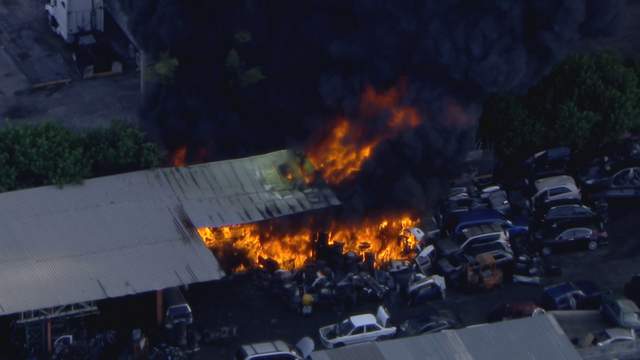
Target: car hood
[{"x": 328, "y": 332}]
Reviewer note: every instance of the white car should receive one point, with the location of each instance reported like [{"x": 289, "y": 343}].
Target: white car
[
  {"x": 562, "y": 187},
  {"x": 358, "y": 329},
  {"x": 276, "y": 350},
  {"x": 613, "y": 335}
]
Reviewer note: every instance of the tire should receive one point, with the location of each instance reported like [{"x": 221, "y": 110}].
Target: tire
[
  {"x": 338, "y": 345},
  {"x": 546, "y": 251},
  {"x": 592, "y": 245}
]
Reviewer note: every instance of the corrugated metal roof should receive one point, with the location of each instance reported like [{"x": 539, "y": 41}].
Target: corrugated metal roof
[
  {"x": 531, "y": 338},
  {"x": 130, "y": 233}
]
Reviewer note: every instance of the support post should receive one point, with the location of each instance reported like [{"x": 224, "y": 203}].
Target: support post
[
  {"x": 49, "y": 340},
  {"x": 143, "y": 66},
  {"x": 159, "y": 312}
]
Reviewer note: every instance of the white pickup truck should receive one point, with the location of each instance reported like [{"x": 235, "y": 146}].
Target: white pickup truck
[{"x": 357, "y": 329}]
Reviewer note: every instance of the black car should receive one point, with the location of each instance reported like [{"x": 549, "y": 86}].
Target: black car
[
  {"x": 572, "y": 295},
  {"x": 567, "y": 238},
  {"x": 547, "y": 163},
  {"x": 569, "y": 215},
  {"x": 430, "y": 322}
]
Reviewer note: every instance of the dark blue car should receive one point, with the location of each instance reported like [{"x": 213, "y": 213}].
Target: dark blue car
[
  {"x": 457, "y": 222},
  {"x": 572, "y": 295}
]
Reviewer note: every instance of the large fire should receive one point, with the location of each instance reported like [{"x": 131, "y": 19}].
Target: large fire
[
  {"x": 386, "y": 238},
  {"x": 348, "y": 145},
  {"x": 338, "y": 157}
]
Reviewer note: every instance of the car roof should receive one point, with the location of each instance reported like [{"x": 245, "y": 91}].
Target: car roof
[
  {"x": 553, "y": 153},
  {"x": 588, "y": 287},
  {"x": 555, "y": 181},
  {"x": 583, "y": 228},
  {"x": 573, "y": 206},
  {"x": 482, "y": 229},
  {"x": 627, "y": 305},
  {"x": 266, "y": 347},
  {"x": 479, "y": 214},
  {"x": 618, "y": 332},
  {"x": 364, "y": 319},
  {"x": 560, "y": 288}
]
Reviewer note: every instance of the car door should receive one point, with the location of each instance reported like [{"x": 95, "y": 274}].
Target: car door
[
  {"x": 622, "y": 178},
  {"x": 356, "y": 335},
  {"x": 565, "y": 236},
  {"x": 373, "y": 331}
]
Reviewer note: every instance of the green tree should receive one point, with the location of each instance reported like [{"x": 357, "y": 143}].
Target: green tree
[
  {"x": 44, "y": 154},
  {"x": 585, "y": 101},
  {"x": 119, "y": 148}
]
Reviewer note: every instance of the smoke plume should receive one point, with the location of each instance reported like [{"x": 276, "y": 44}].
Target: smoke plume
[{"x": 257, "y": 75}]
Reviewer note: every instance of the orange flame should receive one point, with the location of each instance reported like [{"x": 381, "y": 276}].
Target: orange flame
[
  {"x": 341, "y": 154},
  {"x": 179, "y": 157},
  {"x": 387, "y": 238}
]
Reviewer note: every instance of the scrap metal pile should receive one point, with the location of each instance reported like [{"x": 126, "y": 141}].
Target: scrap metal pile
[{"x": 337, "y": 279}]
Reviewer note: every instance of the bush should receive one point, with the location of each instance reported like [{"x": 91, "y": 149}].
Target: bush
[
  {"x": 45, "y": 154},
  {"x": 585, "y": 101}
]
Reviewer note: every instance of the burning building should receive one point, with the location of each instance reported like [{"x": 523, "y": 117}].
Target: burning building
[{"x": 334, "y": 158}]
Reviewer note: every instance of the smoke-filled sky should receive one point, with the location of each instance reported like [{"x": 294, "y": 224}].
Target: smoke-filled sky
[{"x": 257, "y": 75}]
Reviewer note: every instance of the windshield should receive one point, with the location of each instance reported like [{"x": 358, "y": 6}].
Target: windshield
[
  {"x": 345, "y": 327},
  {"x": 631, "y": 317},
  {"x": 179, "y": 311},
  {"x": 600, "y": 336}
]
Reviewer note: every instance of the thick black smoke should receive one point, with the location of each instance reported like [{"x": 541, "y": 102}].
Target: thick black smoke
[{"x": 318, "y": 55}]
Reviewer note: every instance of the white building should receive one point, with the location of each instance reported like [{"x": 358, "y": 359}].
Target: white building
[{"x": 69, "y": 18}]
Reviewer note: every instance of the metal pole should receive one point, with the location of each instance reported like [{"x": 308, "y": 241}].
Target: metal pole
[
  {"x": 143, "y": 66},
  {"x": 159, "y": 312},
  {"x": 49, "y": 343}
]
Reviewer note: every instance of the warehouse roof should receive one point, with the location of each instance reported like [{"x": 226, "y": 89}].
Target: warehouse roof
[
  {"x": 532, "y": 338},
  {"x": 135, "y": 232}
]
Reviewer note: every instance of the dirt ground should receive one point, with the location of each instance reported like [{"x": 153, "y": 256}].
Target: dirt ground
[{"x": 30, "y": 53}]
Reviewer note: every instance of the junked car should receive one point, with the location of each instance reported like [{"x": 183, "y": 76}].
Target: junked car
[
  {"x": 613, "y": 335},
  {"x": 567, "y": 215},
  {"x": 477, "y": 239},
  {"x": 572, "y": 295},
  {"x": 428, "y": 324},
  {"x": 456, "y": 223},
  {"x": 621, "y": 311},
  {"x": 515, "y": 310},
  {"x": 276, "y": 350},
  {"x": 548, "y": 162},
  {"x": 358, "y": 329},
  {"x": 423, "y": 288},
  {"x": 622, "y": 183},
  {"x": 589, "y": 237},
  {"x": 561, "y": 187}
]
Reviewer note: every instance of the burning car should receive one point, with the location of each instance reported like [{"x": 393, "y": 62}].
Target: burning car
[{"x": 357, "y": 329}]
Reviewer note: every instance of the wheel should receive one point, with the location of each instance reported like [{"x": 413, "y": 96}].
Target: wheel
[
  {"x": 546, "y": 251},
  {"x": 593, "y": 245},
  {"x": 338, "y": 345}
]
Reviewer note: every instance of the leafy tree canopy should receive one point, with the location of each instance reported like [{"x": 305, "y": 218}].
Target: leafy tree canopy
[
  {"x": 36, "y": 155},
  {"x": 585, "y": 101}
]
